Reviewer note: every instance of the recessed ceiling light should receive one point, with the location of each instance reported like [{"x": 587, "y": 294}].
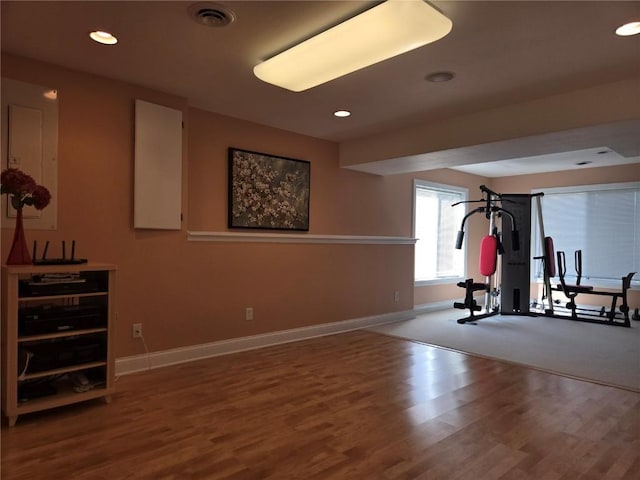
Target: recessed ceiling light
[
  {"x": 584, "y": 162},
  {"x": 438, "y": 77},
  {"x": 50, "y": 94},
  {"x": 103, "y": 37},
  {"x": 628, "y": 29},
  {"x": 342, "y": 113}
]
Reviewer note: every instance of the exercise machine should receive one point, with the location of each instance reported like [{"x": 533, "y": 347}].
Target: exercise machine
[
  {"x": 504, "y": 260},
  {"x": 506, "y": 266},
  {"x": 614, "y": 315}
]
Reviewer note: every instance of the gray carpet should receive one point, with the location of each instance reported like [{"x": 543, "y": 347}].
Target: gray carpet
[{"x": 598, "y": 353}]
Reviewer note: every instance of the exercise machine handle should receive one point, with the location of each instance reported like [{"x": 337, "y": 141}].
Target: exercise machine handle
[{"x": 461, "y": 231}]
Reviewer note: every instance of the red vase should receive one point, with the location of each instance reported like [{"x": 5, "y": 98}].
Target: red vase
[{"x": 19, "y": 253}]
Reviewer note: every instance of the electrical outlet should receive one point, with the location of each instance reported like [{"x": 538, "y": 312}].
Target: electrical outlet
[
  {"x": 396, "y": 296},
  {"x": 248, "y": 313},
  {"x": 137, "y": 330}
]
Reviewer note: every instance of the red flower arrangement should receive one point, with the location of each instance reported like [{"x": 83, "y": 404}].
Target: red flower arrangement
[{"x": 23, "y": 189}]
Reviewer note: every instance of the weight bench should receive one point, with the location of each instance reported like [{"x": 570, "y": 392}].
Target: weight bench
[{"x": 571, "y": 291}]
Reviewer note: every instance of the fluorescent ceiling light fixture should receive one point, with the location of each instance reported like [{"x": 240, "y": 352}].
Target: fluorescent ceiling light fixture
[
  {"x": 384, "y": 31},
  {"x": 342, "y": 113},
  {"x": 628, "y": 29},
  {"x": 103, "y": 37}
]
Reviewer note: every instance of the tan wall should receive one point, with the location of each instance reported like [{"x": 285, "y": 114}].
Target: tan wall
[
  {"x": 188, "y": 293},
  {"x": 343, "y": 202}
]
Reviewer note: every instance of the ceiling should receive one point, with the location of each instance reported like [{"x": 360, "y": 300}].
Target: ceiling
[{"x": 501, "y": 53}]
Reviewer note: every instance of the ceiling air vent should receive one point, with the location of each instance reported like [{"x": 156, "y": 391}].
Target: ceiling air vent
[{"x": 211, "y": 14}]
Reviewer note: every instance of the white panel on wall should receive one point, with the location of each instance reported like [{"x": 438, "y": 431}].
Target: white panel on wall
[
  {"x": 158, "y": 167},
  {"x": 30, "y": 143},
  {"x": 25, "y": 147}
]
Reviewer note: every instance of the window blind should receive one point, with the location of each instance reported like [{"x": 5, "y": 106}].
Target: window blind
[{"x": 601, "y": 220}]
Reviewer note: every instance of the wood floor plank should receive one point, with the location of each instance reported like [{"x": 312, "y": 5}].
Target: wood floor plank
[{"x": 352, "y": 406}]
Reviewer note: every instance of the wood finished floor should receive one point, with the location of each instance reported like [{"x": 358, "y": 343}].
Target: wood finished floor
[{"x": 352, "y": 406}]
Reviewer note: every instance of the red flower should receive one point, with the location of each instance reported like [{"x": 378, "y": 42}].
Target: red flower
[
  {"x": 23, "y": 189},
  {"x": 16, "y": 182},
  {"x": 40, "y": 197}
]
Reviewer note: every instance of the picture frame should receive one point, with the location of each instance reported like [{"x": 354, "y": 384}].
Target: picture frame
[{"x": 268, "y": 192}]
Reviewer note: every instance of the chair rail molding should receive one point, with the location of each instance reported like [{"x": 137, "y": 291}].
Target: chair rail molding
[{"x": 199, "y": 236}]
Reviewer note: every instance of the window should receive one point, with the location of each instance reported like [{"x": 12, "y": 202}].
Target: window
[
  {"x": 601, "y": 220},
  {"x": 435, "y": 225}
]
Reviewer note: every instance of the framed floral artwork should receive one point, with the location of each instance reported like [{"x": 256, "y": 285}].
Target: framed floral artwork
[{"x": 267, "y": 191}]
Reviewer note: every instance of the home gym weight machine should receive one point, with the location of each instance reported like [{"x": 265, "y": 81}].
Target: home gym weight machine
[
  {"x": 506, "y": 292},
  {"x": 508, "y": 281}
]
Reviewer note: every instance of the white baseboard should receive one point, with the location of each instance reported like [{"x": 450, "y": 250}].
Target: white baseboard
[
  {"x": 433, "y": 306},
  {"x": 138, "y": 363}
]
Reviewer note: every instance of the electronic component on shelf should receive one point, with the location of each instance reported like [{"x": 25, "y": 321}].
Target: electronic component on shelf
[
  {"x": 57, "y": 261},
  {"x": 40, "y": 286},
  {"x": 63, "y": 283},
  {"x": 60, "y": 318}
]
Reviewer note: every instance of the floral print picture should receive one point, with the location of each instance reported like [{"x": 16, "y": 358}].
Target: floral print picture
[{"x": 268, "y": 192}]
